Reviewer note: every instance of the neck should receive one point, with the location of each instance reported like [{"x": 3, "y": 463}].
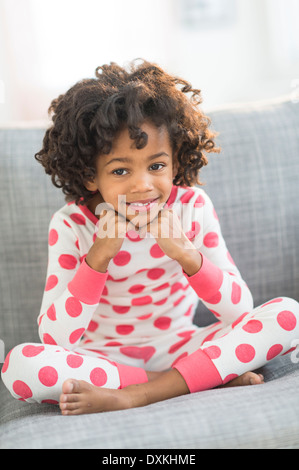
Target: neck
[{"x": 97, "y": 199}]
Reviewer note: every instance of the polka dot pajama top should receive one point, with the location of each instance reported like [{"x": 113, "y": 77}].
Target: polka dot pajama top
[{"x": 108, "y": 328}]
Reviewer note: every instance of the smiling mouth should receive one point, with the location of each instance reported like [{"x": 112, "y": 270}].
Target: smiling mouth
[{"x": 142, "y": 205}]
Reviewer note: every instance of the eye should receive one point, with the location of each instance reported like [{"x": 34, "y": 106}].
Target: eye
[
  {"x": 118, "y": 172},
  {"x": 157, "y": 165}
]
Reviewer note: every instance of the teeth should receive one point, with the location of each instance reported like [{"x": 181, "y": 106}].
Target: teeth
[{"x": 139, "y": 204}]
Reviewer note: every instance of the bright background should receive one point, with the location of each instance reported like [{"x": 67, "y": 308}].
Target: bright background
[{"x": 233, "y": 50}]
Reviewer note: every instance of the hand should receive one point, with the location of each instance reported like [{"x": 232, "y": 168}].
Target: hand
[
  {"x": 168, "y": 231},
  {"x": 111, "y": 232}
]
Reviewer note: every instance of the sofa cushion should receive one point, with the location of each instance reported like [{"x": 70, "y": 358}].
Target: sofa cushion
[{"x": 261, "y": 416}]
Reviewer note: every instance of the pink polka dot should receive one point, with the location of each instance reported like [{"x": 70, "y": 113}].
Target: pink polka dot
[
  {"x": 215, "y": 299},
  {"x": 67, "y": 261},
  {"x": 124, "y": 329},
  {"x": 162, "y": 323},
  {"x": 47, "y": 339},
  {"x": 185, "y": 354},
  {"x": 52, "y": 281},
  {"x": 200, "y": 201},
  {"x": 22, "y": 389},
  {"x": 241, "y": 317},
  {"x": 98, "y": 377},
  {"x": 185, "y": 198},
  {"x": 236, "y": 293},
  {"x": 211, "y": 240},
  {"x": 74, "y": 361},
  {"x": 253, "y": 326},
  {"x": 215, "y": 313},
  {"x": 133, "y": 236},
  {"x": 53, "y": 237},
  {"x": 178, "y": 345},
  {"x": 51, "y": 313},
  {"x": 175, "y": 287},
  {"x": 50, "y": 402},
  {"x": 179, "y": 300},
  {"x": 289, "y": 351},
  {"x": 31, "y": 351},
  {"x": 188, "y": 313},
  {"x": 161, "y": 287},
  {"x": 195, "y": 229},
  {"x": 122, "y": 258},
  {"x": 123, "y": 279},
  {"x": 48, "y": 376},
  {"x": 210, "y": 336},
  {"x": 287, "y": 320},
  {"x": 155, "y": 273},
  {"x": 213, "y": 352},
  {"x": 145, "y": 317},
  {"x": 161, "y": 302},
  {"x": 145, "y": 352},
  {"x": 66, "y": 223},
  {"x": 105, "y": 291},
  {"x": 156, "y": 251},
  {"x": 274, "y": 301},
  {"x": 229, "y": 378},
  {"x": 245, "y": 353},
  {"x": 136, "y": 289},
  {"x": 76, "y": 335},
  {"x": 73, "y": 307},
  {"x": 274, "y": 351},
  {"x": 93, "y": 326},
  {"x": 120, "y": 309},
  {"x": 78, "y": 219},
  {"x": 145, "y": 300}
]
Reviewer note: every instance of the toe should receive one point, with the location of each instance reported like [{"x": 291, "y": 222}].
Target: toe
[{"x": 68, "y": 386}]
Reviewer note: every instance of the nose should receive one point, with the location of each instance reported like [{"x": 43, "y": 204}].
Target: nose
[{"x": 141, "y": 184}]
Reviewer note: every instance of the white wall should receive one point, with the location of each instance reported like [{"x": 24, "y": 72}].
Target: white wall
[{"x": 47, "y": 45}]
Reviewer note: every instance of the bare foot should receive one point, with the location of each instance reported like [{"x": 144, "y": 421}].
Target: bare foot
[
  {"x": 249, "y": 378},
  {"x": 80, "y": 397}
]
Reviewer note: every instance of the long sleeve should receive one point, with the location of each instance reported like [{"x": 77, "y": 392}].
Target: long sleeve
[
  {"x": 218, "y": 283},
  {"x": 72, "y": 290}
]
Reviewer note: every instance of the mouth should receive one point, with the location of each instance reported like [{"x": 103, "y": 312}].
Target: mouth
[{"x": 142, "y": 205}]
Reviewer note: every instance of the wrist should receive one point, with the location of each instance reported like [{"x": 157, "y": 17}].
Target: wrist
[
  {"x": 190, "y": 261},
  {"x": 97, "y": 261}
]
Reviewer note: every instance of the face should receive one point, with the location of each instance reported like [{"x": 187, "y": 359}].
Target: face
[{"x": 142, "y": 178}]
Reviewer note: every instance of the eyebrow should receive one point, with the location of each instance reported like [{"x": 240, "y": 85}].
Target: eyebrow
[{"x": 129, "y": 160}]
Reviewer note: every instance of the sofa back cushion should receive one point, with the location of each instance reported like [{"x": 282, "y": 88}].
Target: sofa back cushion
[{"x": 253, "y": 183}]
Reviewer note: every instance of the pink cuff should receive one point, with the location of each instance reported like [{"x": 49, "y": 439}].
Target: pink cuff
[
  {"x": 207, "y": 281},
  {"x": 131, "y": 375},
  {"x": 87, "y": 285},
  {"x": 199, "y": 372}
]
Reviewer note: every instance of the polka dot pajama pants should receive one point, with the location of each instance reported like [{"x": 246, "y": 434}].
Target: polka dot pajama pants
[{"x": 36, "y": 372}]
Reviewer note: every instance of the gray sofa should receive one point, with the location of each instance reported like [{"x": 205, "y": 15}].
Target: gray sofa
[{"x": 254, "y": 186}]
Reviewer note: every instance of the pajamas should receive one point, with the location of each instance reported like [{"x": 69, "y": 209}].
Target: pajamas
[{"x": 108, "y": 328}]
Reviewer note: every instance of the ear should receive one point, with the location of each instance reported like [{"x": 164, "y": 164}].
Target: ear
[{"x": 90, "y": 185}]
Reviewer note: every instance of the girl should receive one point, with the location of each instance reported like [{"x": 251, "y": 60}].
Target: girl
[{"x": 131, "y": 253}]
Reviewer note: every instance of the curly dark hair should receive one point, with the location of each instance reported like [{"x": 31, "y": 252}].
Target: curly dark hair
[{"x": 88, "y": 116}]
